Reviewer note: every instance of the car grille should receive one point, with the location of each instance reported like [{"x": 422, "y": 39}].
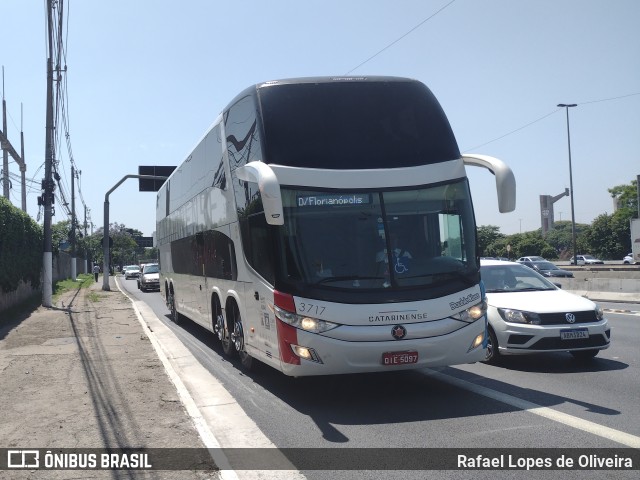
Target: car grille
[
  {"x": 519, "y": 339},
  {"x": 559, "y": 318},
  {"x": 558, "y": 344}
]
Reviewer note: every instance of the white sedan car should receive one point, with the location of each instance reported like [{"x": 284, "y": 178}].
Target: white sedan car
[{"x": 529, "y": 314}]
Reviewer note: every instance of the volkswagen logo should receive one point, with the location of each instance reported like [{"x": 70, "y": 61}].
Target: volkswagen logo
[
  {"x": 571, "y": 318},
  {"x": 398, "y": 332}
]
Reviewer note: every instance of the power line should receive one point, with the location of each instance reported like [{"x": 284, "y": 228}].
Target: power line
[
  {"x": 400, "y": 38},
  {"x": 548, "y": 115},
  {"x": 609, "y": 99},
  {"x": 513, "y": 131}
]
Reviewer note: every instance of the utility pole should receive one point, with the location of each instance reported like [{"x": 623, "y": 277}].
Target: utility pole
[
  {"x": 23, "y": 164},
  {"x": 73, "y": 224},
  {"x": 86, "y": 253},
  {"x": 7, "y": 149},
  {"x": 5, "y": 153},
  {"x": 47, "y": 183}
]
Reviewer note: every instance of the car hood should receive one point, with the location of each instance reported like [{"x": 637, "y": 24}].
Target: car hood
[
  {"x": 547, "y": 301},
  {"x": 151, "y": 276}
]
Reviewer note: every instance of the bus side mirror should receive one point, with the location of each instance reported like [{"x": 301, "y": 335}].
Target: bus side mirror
[
  {"x": 505, "y": 181},
  {"x": 261, "y": 173}
]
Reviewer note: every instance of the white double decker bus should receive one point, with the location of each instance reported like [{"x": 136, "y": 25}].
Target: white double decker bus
[{"x": 325, "y": 226}]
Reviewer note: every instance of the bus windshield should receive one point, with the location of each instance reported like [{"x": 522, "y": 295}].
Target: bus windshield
[{"x": 380, "y": 240}]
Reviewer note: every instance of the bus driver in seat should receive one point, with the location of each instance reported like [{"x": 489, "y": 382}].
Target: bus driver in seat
[{"x": 400, "y": 258}]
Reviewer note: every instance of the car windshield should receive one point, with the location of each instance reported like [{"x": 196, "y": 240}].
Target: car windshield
[
  {"x": 546, "y": 266},
  {"x": 513, "y": 278},
  {"x": 588, "y": 257},
  {"x": 151, "y": 269}
]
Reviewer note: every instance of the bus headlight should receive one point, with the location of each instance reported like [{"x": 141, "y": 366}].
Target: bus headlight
[
  {"x": 476, "y": 342},
  {"x": 308, "y": 324},
  {"x": 473, "y": 313},
  {"x": 306, "y": 353}
]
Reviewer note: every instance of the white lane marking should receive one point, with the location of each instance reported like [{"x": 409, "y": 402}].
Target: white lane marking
[
  {"x": 209, "y": 440},
  {"x": 575, "y": 422},
  {"x": 219, "y": 419}
]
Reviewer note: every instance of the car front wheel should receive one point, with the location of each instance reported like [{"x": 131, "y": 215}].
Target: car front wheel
[{"x": 492, "y": 348}]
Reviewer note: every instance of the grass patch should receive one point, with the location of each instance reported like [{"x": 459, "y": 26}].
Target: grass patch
[
  {"x": 84, "y": 280},
  {"x": 95, "y": 296}
]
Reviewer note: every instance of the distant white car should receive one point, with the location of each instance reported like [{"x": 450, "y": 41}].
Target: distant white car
[
  {"x": 628, "y": 259},
  {"x": 532, "y": 259},
  {"x": 131, "y": 271},
  {"x": 529, "y": 314},
  {"x": 587, "y": 260},
  {"x": 150, "y": 277}
]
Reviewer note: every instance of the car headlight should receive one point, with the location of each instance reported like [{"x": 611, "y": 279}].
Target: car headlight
[
  {"x": 599, "y": 312},
  {"x": 519, "y": 316},
  {"x": 309, "y": 324},
  {"x": 473, "y": 313}
]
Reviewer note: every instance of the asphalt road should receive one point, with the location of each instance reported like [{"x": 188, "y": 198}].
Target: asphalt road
[{"x": 541, "y": 401}]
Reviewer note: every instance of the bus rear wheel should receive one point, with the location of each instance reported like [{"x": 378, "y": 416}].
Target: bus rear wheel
[
  {"x": 175, "y": 316},
  {"x": 237, "y": 338}
]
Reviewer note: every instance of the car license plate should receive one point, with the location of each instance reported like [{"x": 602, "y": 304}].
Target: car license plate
[
  {"x": 574, "y": 334},
  {"x": 399, "y": 358}
]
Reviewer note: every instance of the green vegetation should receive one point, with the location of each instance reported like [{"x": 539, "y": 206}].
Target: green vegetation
[
  {"x": 124, "y": 249},
  {"x": 608, "y": 237},
  {"x": 95, "y": 297},
  {"x": 20, "y": 248},
  {"x": 84, "y": 280}
]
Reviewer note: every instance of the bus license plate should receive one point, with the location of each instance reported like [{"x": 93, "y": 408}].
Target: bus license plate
[
  {"x": 574, "y": 334},
  {"x": 399, "y": 358}
]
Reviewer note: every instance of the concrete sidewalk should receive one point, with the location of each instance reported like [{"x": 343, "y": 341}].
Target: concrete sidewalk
[
  {"x": 617, "y": 297},
  {"x": 84, "y": 374}
]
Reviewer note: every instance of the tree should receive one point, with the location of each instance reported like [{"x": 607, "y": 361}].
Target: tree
[
  {"x": 609, "y": 236},
  {"x": 124, "y": 248},
  {"x": 151, "y": 253},
  {"x": 626, "y": 197},
  {"x": 60, "y": 233},
  {"x": 561, "y": 238},
  {"x": 487, "y": 235},
  {"x": 522, "y": 244}
]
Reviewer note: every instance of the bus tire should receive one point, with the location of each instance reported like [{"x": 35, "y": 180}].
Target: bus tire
[
  {"x": 217, "y": 318},
  {"x": 225, "y": 338},
  {"x": 237, "y": 338},
  {"x": 175, "y": 316}
]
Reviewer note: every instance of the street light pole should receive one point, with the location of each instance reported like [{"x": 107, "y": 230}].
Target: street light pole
[{"x": 566, "y": 106}]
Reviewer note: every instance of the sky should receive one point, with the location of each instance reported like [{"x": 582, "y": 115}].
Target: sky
[{"x": 147, "y": 78}]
